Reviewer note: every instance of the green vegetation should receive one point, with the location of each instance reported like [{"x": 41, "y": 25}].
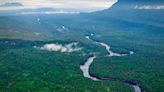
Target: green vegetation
[
  {"x": 145, "y": 66},
  {"x": 25, "y": 69}
]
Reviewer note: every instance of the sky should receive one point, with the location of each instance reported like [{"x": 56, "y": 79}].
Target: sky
[{"x": 71, "y": 5}]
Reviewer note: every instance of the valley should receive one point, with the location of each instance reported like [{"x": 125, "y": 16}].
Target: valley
[
  {"x": 85, "y": 67},
  {"x": 113, "y": 50}
]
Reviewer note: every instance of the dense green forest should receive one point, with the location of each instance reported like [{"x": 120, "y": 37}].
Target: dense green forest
[{"x": 26, "y": 69}]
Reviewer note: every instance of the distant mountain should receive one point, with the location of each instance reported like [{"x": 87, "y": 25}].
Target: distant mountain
[
  {"x": 138, "y": 11},
  {"x": 131, "y": 4},
  {"x": 19, "y": 11},
  {"x": 36, "y": 11},
  {"x": 10, "y": 4}
]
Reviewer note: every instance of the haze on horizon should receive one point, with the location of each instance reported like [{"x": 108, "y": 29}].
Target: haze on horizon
[{"x": 72, "y": 5}]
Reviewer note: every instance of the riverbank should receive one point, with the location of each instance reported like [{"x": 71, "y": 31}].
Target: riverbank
[{"x": 87, "y": 74}]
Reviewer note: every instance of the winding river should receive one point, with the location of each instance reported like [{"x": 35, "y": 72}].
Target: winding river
[{"x": 85, "y": 67}]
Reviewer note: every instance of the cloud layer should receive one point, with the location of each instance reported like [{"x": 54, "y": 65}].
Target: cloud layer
[
  {"x": 149, "y": 7},
  {"x": 71, "y": 5},
  {"x": 50, "y": 12},
  {"x": 72, "y": 47}
]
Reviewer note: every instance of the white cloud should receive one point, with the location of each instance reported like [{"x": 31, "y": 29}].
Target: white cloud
[
  {"x": 73, "y": 5},
  {"x": 149, "y": 7},
  {"x": 72, "y": 47},
  {"x": 50, "y": 12}
]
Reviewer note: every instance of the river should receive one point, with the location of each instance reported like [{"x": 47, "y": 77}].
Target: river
[{"x": 85, "y": 67}]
